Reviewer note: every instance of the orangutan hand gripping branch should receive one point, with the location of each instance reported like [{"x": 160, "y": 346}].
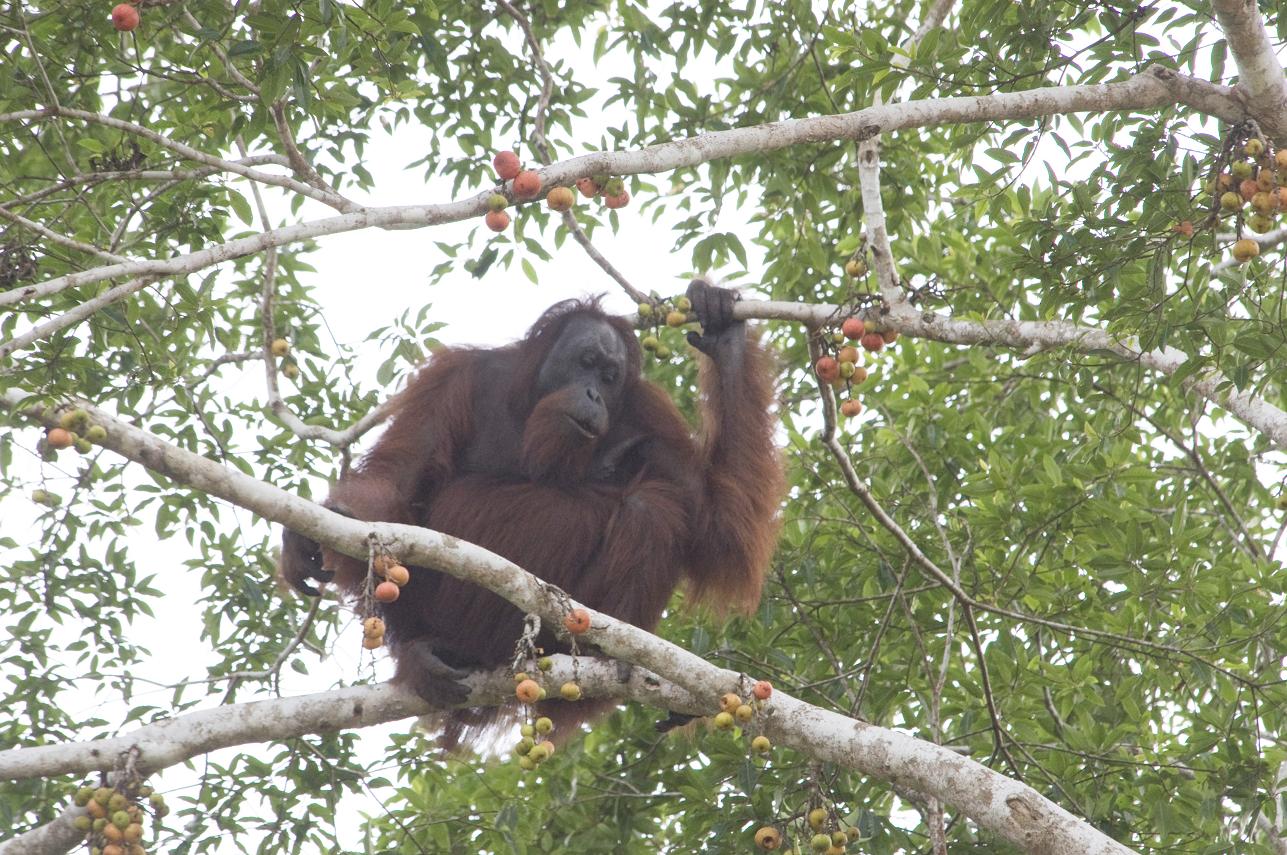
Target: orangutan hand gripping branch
[{"x": 554, "y": 453}]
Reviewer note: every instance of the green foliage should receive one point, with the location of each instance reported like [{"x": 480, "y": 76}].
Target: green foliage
[{"x": 1116, "y": 531}]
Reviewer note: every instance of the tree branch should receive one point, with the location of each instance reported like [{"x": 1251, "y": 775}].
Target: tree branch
[
  {"x": 1153, "y": 89},
  {"x": 1033, "y": 337},
  {"x": 1004, "y": 807},
  {"x": 326, "y": 198},
  {"x": 873, "y": 208},
  {"x": 91, "y": 179},
  {"x": 57, "y": 835},
  {"x": 1260, "y": 74},
  {"x": 60, "y": 239},
  {"x": 75, "y": 316},
  {"x": 1268, "y": 240},
  {"x": 300, "y": 164},
  {"x": 542, "y": 147},
  {"x": 175, "y": 740}
]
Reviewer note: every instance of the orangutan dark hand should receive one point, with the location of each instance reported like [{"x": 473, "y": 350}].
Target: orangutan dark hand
[
  {"x": 420, "y": 669},
  {"x": 722, "y": 338},
  {"x": 301, "y": 560}
]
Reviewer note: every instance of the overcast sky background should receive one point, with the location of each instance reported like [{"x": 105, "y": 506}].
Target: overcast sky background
[{"x": 364, "y": 280}]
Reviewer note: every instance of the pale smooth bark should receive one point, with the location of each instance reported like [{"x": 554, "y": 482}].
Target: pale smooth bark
[
  {"x": 1150, "y": 90},
  {"x": 1007, "y": 808},
  {"x": 1260, "y": 75},
  {"x": 1033, "y": 337}
]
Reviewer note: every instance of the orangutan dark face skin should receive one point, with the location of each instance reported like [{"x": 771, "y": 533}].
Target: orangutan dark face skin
[
  {"x": 586, "y": 368},
  {"x": 554, "y": 453}
]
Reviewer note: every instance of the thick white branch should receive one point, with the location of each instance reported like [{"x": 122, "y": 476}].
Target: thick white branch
[
  {"x": 1260, "y": 75},
  {"x": 74, "y": 316},
  {"x": 58, "y": 835},
  {"x": 1008, "y": 808},
  {"x": 172, "y": 741},
  {"x": 1153, "y": 89},
  {"x": 1035, "y": 336},
  {"x": 869, "y": 173},
  {"x": 1271, "y": 834}
]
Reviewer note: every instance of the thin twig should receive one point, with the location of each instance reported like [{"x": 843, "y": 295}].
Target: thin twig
[
  {"x": 299, "y": 163},
  {"x": 864, "y": 495},
  {"x": 91, "y": 179},
  {"x": 75, "y": 316},
  {"x": 60, "y": 239},
  {"x": 179, "y": 148},
  {"x": 542, "y": 147}
]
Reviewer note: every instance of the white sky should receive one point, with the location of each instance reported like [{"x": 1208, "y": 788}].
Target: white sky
[{"x": 364, "y": 280}]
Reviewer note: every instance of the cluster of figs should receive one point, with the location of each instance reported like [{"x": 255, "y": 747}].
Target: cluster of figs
[
  {"x": 825, "y": 834},
  {"x": 112, "y": 818},
  {"x": 527, "y": 185},
  {"x": 840, "y": 367},
  {"x": 533, "y": 746},
  {"x": 391, "y": 576},
  {"x": 1251, "y": 190}
]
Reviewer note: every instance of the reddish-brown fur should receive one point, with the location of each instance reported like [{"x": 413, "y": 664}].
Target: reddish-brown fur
[{"x": 681, "y": 510}]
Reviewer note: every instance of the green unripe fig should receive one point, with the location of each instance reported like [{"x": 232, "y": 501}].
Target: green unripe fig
[
  {"x": 856, "y": 268},
  {"x": 1259, "y": 223},
  {"x": 76, "y": 420}
]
